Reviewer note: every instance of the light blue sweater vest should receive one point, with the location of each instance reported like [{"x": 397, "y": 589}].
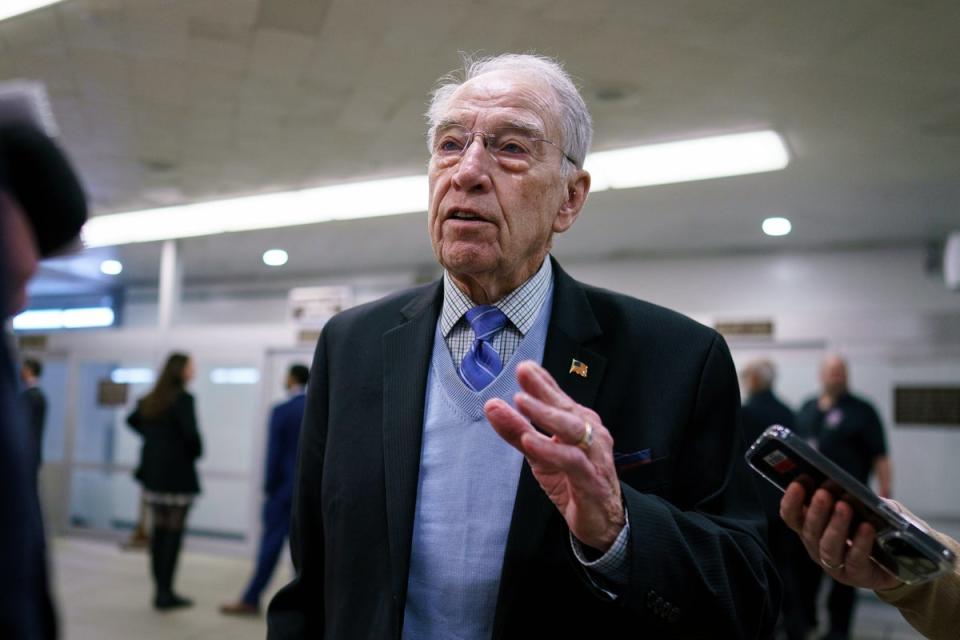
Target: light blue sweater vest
[{"x": 465, "y": 495}]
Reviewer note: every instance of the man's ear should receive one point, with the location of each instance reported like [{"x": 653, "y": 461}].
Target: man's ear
[{"x": 578, "y": 186}]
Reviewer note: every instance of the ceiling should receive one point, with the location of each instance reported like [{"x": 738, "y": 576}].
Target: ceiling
[{"x": 163, "y": 102}]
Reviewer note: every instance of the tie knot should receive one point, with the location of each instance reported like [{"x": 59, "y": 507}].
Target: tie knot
[{"x": 486, "y": 320}]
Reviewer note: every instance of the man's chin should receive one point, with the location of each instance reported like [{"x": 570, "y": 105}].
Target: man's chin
[{"x": 468, "y": 261}]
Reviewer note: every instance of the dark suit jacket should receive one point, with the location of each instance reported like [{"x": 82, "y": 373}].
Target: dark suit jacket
[
  {"x": 658, "y": 380},
  {"x": 284, "y": 432},
  {"x": 171, "y": 446},
  {"x": 26, "y": 610},
  {"x": 35, "y": 404}
]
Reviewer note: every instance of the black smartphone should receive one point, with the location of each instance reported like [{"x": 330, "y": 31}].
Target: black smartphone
[{"x": 904, "y": 547}]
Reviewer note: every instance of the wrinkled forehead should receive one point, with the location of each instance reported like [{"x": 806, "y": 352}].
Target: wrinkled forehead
[
  {"x": 834, "y": 367},
  {"x": 503, "y": 98}
]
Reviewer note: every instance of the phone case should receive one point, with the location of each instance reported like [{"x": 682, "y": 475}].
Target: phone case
[{"x": 903, "y": 546}]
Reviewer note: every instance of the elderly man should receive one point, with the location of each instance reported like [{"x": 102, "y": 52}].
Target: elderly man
[{"x": 508, "y": 453}]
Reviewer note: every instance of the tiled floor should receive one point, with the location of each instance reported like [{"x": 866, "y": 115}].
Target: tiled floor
[{"x": 104, "y": 594}]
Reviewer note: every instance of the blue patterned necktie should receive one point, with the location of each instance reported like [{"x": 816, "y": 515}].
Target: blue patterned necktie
[{"x": 482, "y": 363}]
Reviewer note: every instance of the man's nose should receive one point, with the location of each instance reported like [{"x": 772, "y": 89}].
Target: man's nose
[{"x": 473, "y": 170}]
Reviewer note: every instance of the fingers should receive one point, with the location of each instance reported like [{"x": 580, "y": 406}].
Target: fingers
[
  {"x": 508, "y": 423},
  {"x": 552, "y": 410},
  {"x": 817, "y": 517},
  {"x": 833, "y": 543},
  {"x": 859, "y": 565},
  {"x": 567, "y": 426},
  {"x": 538, "y": 382},
  {"x": 791, "y": 506},
  {"x": 539, "y": 449}
]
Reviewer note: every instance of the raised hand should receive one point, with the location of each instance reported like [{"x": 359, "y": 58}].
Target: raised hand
[{"x": 572, "y": 460}]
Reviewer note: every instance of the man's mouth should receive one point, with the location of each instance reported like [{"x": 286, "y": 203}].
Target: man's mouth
[{"x": 466, "y": 216}]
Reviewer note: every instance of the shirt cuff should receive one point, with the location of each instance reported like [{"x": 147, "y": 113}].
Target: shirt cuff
[{"x": 613, "y": 567}]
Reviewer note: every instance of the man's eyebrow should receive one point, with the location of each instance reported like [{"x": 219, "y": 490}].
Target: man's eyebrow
[
  {"x": 533, "y": 129},
  {"x": 528, "y": 127}
]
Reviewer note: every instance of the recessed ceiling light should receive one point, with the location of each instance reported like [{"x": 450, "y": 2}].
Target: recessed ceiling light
[
  {"x": 275, "y": 257},
  {"x": 776, "y": 226},
  {"x": 111, "y": 267},
  {"x": 10, "y": 8}
]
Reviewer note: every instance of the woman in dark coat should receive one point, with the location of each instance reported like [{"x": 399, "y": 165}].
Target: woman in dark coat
[{"x": 171, "y": 445}]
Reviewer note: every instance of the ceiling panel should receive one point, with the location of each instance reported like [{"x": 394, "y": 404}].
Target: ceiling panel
[{"x": 170, "y": 101}]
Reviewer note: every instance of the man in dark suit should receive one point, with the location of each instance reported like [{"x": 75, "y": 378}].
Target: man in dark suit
[
  {"x": 41, "y": 210},
  {"x": 451, "y": 486},
  {"x": 34, "y": 402},
  {"x": 762, "y": 409},
  {"x": 284, "y": 432}
]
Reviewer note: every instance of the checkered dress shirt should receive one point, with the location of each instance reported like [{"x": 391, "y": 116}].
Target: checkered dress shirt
[{"x": 521, "y": 307}]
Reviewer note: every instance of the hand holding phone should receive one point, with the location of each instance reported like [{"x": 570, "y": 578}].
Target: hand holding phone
[
  {"x": 902, "y": 546},
  {"x": 824, "y": 526}
]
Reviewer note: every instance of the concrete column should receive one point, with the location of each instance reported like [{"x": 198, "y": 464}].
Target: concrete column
[{"x": 171, "y": 284}]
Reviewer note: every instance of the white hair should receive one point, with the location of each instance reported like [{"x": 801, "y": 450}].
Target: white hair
[
  {"x": 575, "y": 124},
  {"x": 765, "y": 372}
]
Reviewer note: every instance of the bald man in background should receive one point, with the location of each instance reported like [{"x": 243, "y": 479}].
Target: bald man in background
[
  {"x": 846, "y": 429},
  {"x": 41, "y": 211}
]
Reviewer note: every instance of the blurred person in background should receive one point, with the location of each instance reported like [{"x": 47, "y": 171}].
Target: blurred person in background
[
  {"x": 846, "y": 429},
  {"x": 42, "y": 208},
  {"x": 34, "y": 402},
  {"x": 761, "y": 409},
  {"x": 167, "y": 421},
  {"x": 281, "y": 463},
  {"x": 932, "y": 608}
]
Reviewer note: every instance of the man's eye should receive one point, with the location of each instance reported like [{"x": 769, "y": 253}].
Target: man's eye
[
  {"x": 449, "y": 145},
  {"x": 512, "y": 147}
]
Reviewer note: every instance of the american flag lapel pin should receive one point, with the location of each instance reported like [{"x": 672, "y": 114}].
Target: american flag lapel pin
[{"x": 578, "y": 368}]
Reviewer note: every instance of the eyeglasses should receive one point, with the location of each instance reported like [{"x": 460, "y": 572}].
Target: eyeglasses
[{"x": 513, "y": 148}]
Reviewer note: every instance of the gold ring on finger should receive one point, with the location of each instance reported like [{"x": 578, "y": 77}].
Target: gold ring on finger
[{"x": 587, "y": 438}]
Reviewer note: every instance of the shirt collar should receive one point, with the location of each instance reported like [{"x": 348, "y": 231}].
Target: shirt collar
[{"x": 520, "y": 305}]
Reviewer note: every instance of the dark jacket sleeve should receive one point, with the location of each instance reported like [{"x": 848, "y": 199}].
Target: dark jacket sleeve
[
  {"x": 704, "y": 562},
  {"x": 186, "y": 418},
  {"x": 276, "y": 441},
  {"x": 135, "y": 420},
  {"x": 297, "y": 611}
]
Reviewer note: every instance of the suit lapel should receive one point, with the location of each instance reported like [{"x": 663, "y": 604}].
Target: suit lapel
[
  {"x": 572, "y": 325},
  {"x": 407, "y": 351}
]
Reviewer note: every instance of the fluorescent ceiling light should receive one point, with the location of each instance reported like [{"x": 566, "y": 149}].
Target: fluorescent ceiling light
[
  {"x": 238, "y": 375},
  {"x": 10, "y": 8},
  {"x": 47, "y": 319},
  {"x": 687, "y": 160},
  {"x": 699, "y": 159},
  {"x": 776, "y": 226},
  {"x": 339, "y": 202},
  {"x": 111, "y": 267},
  {"x": 275, "y": 257},
  {"x": 132, "y": 375}
]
